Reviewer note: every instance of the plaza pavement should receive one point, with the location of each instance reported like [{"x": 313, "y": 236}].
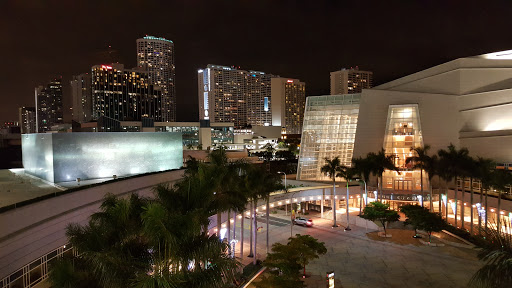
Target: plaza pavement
[{"x": 361, "y": 262}]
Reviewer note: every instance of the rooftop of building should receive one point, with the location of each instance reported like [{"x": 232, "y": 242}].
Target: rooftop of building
[
  {"x": 461, "y": 74},
  {"x": 149, "y": 37}
]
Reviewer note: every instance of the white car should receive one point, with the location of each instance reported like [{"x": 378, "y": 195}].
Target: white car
[
  {"x": 258, "y": 214},
  {"x": 303, "y": 221}
]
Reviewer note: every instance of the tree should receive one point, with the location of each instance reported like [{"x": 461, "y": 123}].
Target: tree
[
  {"x": 380, "y": 163},
  {"x": 190, "y": 146},
  {"x": 137, "y": 242},
  {"x": 413, "y": 214},
  {"x": 430, "y": 222},
  {"x": 269, "y": 152},
  {"x": 307, "y": 249},
  {"x": 501, "y": 179},
  {"x": 259, "y": 183},
  {"x": 453, "y": 162},
  {"x": 497, "y": 253},
  {"x": 200, "y": 147},
  {"x": 421, "y": 161},
  {"x": 377, "y": 211},
  {"x": 284, "y": 268},
  {"x": 348, "y": 174},
  {"x": 331, "y": 169},
  {"x": 224, "y": 181},
  {"x": 484, "y": 174},
  {"x": 363, "y": 168}
]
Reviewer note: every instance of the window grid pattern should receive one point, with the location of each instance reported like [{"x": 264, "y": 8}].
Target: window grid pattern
[
  {"x": 403, "y": 132},
  {"x": 329, "y": 130}
]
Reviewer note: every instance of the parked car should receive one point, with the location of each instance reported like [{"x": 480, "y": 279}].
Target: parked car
[{"x": 303, "y": 221}]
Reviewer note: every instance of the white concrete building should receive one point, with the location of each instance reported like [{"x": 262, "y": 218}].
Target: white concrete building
[{"x": 466, "y": 102}]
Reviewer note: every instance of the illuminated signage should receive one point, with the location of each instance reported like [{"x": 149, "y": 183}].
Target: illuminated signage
[
  {"x": 290, "y": 81},
  {"x": 106, "y": 67},
  {"x": 330, "y": 279}
]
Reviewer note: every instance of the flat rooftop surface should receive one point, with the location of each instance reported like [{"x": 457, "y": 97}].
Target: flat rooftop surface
[{"x": 17, "y": 186}]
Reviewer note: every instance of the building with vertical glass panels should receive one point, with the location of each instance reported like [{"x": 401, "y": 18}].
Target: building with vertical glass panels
[{"x": 329, "y": 130}]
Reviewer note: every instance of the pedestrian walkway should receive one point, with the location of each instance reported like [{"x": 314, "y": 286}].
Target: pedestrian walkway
[{"x": 361, "y": 262}]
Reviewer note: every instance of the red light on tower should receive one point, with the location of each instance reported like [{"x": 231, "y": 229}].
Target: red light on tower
[{"x": 290, "y": 81}]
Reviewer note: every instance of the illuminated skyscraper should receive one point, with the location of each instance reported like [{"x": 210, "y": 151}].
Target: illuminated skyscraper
[
  {"x": 27, "y": 120},
  {"x": 48, "y": 101},
  {"x": 227, "y": 94},
  {"x": 82, "y": 98},
  {"x": 288, "y": 100},
  {"x": 156, "y": 56},
  {"x": 350, "y": 81},
  {"x": 124, "y": 94}
]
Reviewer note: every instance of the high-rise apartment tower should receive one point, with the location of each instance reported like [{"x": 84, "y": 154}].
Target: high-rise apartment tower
[
  {"x": 156, "y": 55},
  {"x": 27, "y": 120},
  {"x": 288, "y": 101},
  {"x": 81, "y": 92},
  {"x": 124, "y": 94},
  {"x": 350, "y": 81},
  {"x": 49, "y": 109},
  {"x": 228, "y": 94}
]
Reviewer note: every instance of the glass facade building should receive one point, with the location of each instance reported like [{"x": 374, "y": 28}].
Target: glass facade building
[
  {"x": 403, "y": 132},
  {"x": 329, "y": 130}
]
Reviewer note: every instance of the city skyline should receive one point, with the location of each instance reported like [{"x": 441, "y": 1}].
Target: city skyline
[{"x": 300, "y": 40}]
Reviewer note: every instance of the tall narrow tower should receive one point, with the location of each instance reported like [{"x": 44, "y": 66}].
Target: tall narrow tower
[
  {"x": 49, "y": 109},
  {"x": 156, "y": 55}
]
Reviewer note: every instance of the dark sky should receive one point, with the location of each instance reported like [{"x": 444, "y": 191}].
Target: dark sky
[{"x": 300, "y": 39}]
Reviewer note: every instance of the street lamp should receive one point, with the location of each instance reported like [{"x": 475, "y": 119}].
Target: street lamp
[
  {"x": 365, "y": 195},
  {"x": 285, "y": 205},
  {"x": 291, "y": 220}
]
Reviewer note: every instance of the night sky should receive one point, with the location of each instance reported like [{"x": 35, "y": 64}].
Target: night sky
[{"x": 299, "y": 39}]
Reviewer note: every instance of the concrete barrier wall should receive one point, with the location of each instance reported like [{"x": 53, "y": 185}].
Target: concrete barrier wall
[{"x": 28, "y": 232}]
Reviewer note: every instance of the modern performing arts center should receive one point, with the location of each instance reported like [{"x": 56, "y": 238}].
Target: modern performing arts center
[{"x": 465, "y": 102}]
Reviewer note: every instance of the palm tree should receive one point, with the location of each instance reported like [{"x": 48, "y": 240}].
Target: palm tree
[
  {"x": 348, "y": 174},
  {"x": 143, "y": 243},
  {"x": 497, "y": 253},
  {"x": 363, "y": 168},
  {"x": 453, "y": 161},
  {"x": 259, "y": 184},
  {"x": 331, "y": 169},
  {"x": 502, "y": 179},
  {"x": 471, "y": 173},
  {"x": 484, "y": 174},
  {"x": 420, "y": 161},
  {"x": 380, "y": 163}
]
